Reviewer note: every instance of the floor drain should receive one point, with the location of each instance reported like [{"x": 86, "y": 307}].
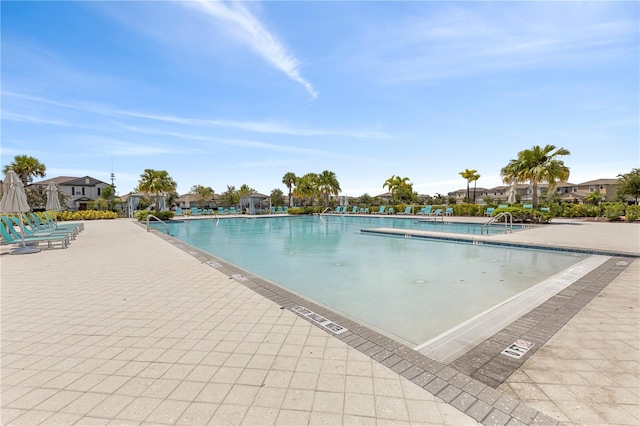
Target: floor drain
[
  {"x": 319, "y": 319},
  {"x": 239, "y": 278},
  {"x": 213, "y": 264}
]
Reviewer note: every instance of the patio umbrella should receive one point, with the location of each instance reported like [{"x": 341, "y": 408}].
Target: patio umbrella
[
  {"x": 53, "y": 202},
  {"x": 512, "y": 194},
  {"x": 14, "y": 200}
]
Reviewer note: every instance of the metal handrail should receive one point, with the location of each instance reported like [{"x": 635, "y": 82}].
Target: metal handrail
[
  {"x": 508, "y": 222},
  {"x": 159, "y": 220}
]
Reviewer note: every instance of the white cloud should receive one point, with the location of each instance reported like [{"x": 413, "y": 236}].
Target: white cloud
[{"x": 256, "y": 36}]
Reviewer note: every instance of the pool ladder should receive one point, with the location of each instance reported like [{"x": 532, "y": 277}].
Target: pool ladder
[
  {"x": 159, "y": 220},
  {"x": 508, "y": 222}
]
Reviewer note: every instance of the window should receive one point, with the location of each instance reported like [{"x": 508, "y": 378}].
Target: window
[
  {"x": 98, "y": 192},
  {"x": 83, "y": 190},
  {"x": 592, "y": 188}
]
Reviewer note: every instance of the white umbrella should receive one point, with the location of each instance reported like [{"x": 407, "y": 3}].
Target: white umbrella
[
  {"x": 53, "y": 202},
  {"x": 14, "y": 200},
  {"x": 512, "y": 194}
]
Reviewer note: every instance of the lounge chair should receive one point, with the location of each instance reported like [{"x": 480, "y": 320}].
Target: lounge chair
[
  {"x": 286, "y": 209},
  {"x": 50, "y": 221},
  {"x": 407, "y": 210},
  {"x": 51, "y": 225},
  {"x": 545, "y": 209},
  {"x": 426, "y": 210},
  {"x": 232, "y": 210},
  {"x": 448, "y": 211},
  {"x": 527, "y": 206},
  {"x": 10, "y": 238},
  {"x": 195, "y": 211},
  {"x": 178, "y": 211},
  {"x": 489, "y": 211},
  {"x": 436, "y": 213},
  {"x": 390, "y": 211},
  {"x": 31, "y": 230},
  {"x": 280, "y": 211},
  {"x": 503, "y": 206},
  {"x": 381, "y": 211},
  {"x": 272, "y": 210},
  {"x": 354, "y": 210}
]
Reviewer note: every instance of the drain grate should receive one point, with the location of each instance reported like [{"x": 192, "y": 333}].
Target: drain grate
[
  {"x": 319, "y": 319},
  {"x": 213, "y": 264},
  {"x": 239, "y": 278}
]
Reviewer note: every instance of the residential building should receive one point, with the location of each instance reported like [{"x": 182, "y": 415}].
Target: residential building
[{"x": 78, "y": 191}]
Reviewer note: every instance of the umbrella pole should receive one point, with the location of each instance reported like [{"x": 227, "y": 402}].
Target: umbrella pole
[{"x": 24, "y": 249}]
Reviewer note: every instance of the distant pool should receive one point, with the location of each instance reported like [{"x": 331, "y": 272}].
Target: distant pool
[{"x": 410, "y": 289}]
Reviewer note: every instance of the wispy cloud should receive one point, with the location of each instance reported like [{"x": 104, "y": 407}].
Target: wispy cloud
[
  {"x": 448, "y": 41},
  {"x": 266, "y": 127},
  {"x": 256, "y": 36}
]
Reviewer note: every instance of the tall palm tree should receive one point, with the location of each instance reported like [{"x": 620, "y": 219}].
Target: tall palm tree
[
  {"x": 537, "y": 165},
  {"x": 27, "y": 168},
  {"x": 468, "y": 175},
  {"x": 289, "y": 179},
  {"x": 394, "y": 183},
  {"x": 157, "y": 182},
  {"x": 474, "y": 179},
  {"x": 328, "y": 184}
]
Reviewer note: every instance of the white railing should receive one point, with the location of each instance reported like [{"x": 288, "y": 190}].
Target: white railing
[
  {"x": 159, "y": 220},
  {"x": 508, "y": 222}
]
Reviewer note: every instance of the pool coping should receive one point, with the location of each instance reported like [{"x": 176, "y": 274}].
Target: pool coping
[
  {"x": 486, "y": 240},
  {"x": 468, "y": 383}
]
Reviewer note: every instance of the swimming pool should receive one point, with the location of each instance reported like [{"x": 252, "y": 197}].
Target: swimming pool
[
  {"x": 412, "y": 290},
  {"x": 463, "y": 227}
]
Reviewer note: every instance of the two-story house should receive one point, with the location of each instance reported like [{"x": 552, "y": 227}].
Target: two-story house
[{"x": 78, "y": 190}]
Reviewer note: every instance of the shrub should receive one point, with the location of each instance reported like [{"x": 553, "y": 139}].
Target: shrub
[
  {"x": 523, "y": 215},
  {"x": 305, "y": 210},
  {"x": 163, "y": 215},
  {"x": 613, "y": 211},
  {"x": 633, "y": 213},
  {"x": 468, "y": 210},
  {"x": 85, "y": 215}
]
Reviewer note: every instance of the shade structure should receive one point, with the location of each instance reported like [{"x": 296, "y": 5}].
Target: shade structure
[
  {"x": 254, "y": 203},
  {"x": 14, "y": 200}
]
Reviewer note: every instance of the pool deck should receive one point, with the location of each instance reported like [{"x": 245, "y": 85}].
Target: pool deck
[{"x": 130, "y": 327}]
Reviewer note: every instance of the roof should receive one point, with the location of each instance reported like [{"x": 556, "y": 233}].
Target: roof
[
  {"x": 71, "y": 181},
  {"x": 599, "y": 182}
]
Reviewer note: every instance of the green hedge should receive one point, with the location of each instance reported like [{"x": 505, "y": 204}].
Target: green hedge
[
  {"x": 522, "y": 215},
  {"x": 163, "y": 215},
  {"x": 306, "y": 210},
  {"x": 85, "y": 215},
  {"x": 632, "y": 213}
]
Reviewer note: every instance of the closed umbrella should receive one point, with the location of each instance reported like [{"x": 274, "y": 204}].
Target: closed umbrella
[
  {"x": 512, "y": 194},
  {"x": 14, "y": 200},
  {"x": 53, "y": 202}
]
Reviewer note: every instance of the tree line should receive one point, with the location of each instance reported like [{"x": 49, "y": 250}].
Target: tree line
[{"x": 534, "y": 166}]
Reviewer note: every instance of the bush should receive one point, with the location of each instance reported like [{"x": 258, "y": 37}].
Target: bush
[
  {"x": 305, "y": 210},
  {"x": 85, "y": 215},
  {"x": 468, "y": 210},
  {"x": 633, "y": 213},
  {"x": 163, "y": 215},
  {"x": 522, "y": 215},
  {"x": 613, "y": 211}
]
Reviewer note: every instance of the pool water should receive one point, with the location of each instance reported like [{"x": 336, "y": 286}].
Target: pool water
[
  {"x": 462, "y": 227},
  {"x": 409, "y": 289}
]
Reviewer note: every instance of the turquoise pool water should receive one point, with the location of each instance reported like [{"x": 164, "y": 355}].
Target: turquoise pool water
[
  {"x": 462, "y": 227},
  {"x": 410, "y": 289}
]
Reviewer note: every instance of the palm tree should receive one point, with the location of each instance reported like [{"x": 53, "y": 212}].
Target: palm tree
[
  {"x": 157, "y": 182},
  {"x": 26, "y": 167},
  {"x": 468, "y": 175},
  {"x": 394, "y": 183},
  {"x": 474, "y": 179},
  {"x": 328, "y": 184},
  {"x": 306, "y": 187},
  {"x": 289, "y": 179},
  {"x": 537, "y": 165}
]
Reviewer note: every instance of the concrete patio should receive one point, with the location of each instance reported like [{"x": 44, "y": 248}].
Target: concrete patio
[{"x": 126, "y": 327}]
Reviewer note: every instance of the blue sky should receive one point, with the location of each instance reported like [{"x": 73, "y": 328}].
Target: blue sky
[{"x": 224, "y": 94}]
